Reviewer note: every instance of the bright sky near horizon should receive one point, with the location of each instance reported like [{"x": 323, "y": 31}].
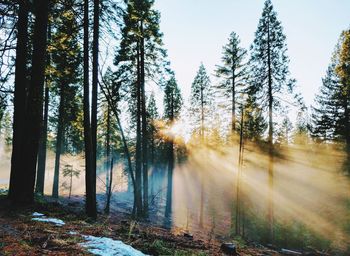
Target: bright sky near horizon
[{"x": 195, "y": 31}]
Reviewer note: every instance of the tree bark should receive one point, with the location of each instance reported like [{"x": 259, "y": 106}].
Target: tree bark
[
  {"x": 108, "y": 147},
  {"x": 33, "y": 114},
  {"x": 59, "y": 140},
  {"x": 109, "y": 190},
  {"x": 91, "y": 210},
  {"x": 233, "y": 125},
  {"x": 19, "y": 99},
  {"x": 270, "y": 143},
  {"x": 201, "y": 210},
  {"x": 168, "y": 206},
  {"x": 95, "y": 49},
  {"x": 144, "y": 127},
  {"x": 138, "y": 177},
  {"x": 40, "y": 179}
]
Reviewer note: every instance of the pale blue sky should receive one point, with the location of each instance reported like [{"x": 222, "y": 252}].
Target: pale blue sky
[{"x": 196, "y": 30}]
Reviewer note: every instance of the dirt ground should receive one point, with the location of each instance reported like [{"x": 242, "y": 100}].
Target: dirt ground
[{"x": 19, "y": 235}]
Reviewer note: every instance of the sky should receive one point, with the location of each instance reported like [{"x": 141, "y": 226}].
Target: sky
[{"x": 195, "y": 31}]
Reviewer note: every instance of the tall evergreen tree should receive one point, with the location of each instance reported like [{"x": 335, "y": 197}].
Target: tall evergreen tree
[
  {"x": 90, "y": 185},
  {"x": 19, "y": 101},
  {"x": 233, "y": 73},
  {"x": 326, "y": 112},
  {"x": 331, "y": 116},
  {"x": 141, "y": 50},
  {"x": 94, "y": 90},
  {"x": 270, "y": 78},
  {"x": 172, "y": 109},
  {"x": 201, "y": 101},
  {"x": 24, "y": 171}
]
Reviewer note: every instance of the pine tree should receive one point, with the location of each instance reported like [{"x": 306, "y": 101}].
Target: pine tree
[
  {"x": 233, "y": 73},
  {"x": 326, "y": 112},
  {"x": 201, "y": 102},
  {"x": 19, "y": 101},
  {"x": 331, "y": 116},
  {"x": 140, "y": 51},
  {"x": 172, "y": 109},
  {"x": 90, "y": 186},
  {"x": 302, "y": 128},
  {"x": 270, "y": 78},
  {"x": 284, "y": 131},
  {"x": 254, "y": 122},
  {"x": 24, "y": 160}
]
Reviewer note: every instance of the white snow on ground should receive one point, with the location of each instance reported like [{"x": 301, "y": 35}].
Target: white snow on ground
[
  {"x": 41, "y": 217},
  {"x": 55, "y": 221},
  {"x": 37, "y": 214},
  {"x": 104, "y": 246},
  {"x": 101, "y": 246}
]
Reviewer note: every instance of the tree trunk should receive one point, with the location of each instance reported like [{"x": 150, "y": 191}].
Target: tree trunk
[
  {"x": 95, "y": 49},
  {"x": 40, "y": 178},
  {"x": 109, "y": 190},
  {"x": 108, "y": 147},
  {"x": 233, "y": 125},
  {"x": 144, "y": 128},
  {"x": 91, "y": 210},
  {"x": 169, "y": 196},
  {"x": 270, "y": 141},
  {"x": 138, "y": 139},
  {"x": 71, "y": 184},
  {"x": 59, "y": 141},
  {"x": 125, "y": 144},
  {"x": 239, "y": 211},
  {"x": 201, "y": 210},
  {"x": 19, "y": 101},
  {"x": 168, "y": 207},
  {"x": 33, "y": 114}
]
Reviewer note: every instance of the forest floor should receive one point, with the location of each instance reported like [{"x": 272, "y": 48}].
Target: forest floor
[{"x": 20, "y": 235}]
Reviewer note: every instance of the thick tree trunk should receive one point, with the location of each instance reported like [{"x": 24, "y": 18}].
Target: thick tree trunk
[
  {"x": 59, "y": 141},
  {"x": 144, "y": 128},
  {"x": 19, "y": 100},
  {"x": 138, "y": 198},
  {"x": 95, "y": 49},
  {"x": 91, "y": 210},
  {"x": 40, "y": 178},
  {"x": 33, "y": 115}
]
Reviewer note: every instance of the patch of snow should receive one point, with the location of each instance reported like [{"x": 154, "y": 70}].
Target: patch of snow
[
  {"x": 38, "y": 214},
  {"x": 73, "y": 233},
  {"x": 55, "y": 221},
  {"x": 104, "y": 246}
]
